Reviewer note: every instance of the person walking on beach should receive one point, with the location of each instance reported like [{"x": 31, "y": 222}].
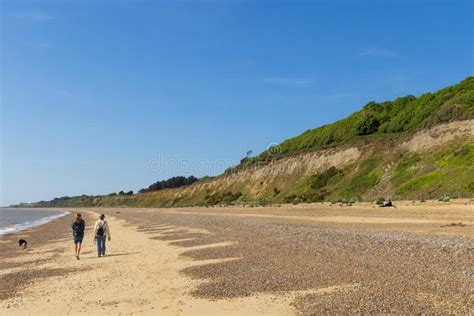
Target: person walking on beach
[
  {"x": 78, "y": 227},
  {"x": 102, "y": 231}
]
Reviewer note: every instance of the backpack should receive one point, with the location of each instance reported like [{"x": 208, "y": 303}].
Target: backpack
[
  {"x": 78, "y": 228},
  {"x": 100, "y": 230}
]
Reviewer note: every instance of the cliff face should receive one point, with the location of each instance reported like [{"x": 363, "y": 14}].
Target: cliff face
[
  {"x": 428, "y": 164},
  {"x": 410, "y": 148}
]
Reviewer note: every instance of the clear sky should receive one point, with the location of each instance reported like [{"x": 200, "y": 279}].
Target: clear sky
[{"x": 103, "y": 96}]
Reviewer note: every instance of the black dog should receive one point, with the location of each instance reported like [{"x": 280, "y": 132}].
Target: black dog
[{"x": 22, "y": 243}]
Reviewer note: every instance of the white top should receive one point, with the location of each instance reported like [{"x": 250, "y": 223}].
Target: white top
[{"x": 104, "y": 224}]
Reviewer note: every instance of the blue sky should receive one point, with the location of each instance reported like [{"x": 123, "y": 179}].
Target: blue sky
[{"x": 102, "y": 96}]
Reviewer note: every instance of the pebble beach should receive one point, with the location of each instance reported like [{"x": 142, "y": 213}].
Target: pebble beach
[{"x": 285, "y": 260}]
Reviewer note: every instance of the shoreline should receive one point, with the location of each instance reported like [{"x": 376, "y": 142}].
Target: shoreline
[{"x": 5, "y": 230}]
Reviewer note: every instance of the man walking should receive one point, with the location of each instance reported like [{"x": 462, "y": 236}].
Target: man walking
[{"x": 102, "y": 231}]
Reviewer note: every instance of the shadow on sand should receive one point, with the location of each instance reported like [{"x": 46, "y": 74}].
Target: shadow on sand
[{"x": 116, "y": 254}]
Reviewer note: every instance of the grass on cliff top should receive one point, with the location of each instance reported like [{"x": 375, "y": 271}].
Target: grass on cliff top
[{"x": 405, "y": 114}]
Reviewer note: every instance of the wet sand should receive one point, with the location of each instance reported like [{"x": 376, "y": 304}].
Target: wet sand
[{"x": 416, "y": 258}]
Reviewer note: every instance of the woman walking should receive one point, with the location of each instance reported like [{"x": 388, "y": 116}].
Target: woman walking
[
  {"x": 78, "y": 227},
  {"x": 102, "y": 231}
]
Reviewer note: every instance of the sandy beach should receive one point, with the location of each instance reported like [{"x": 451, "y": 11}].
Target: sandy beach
[{"x": 280, "y": 260}]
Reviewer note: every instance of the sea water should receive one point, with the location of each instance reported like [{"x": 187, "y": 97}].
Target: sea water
[{"x": 13, "y": 220}]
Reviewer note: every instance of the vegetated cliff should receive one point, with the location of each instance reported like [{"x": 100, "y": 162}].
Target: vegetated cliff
[{"x": 411, "y": 148}]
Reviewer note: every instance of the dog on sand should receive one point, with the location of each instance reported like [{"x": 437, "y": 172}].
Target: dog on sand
[{"x": 23, "y": 243}]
